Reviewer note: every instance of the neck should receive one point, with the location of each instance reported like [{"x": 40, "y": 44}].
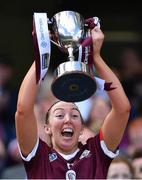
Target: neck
[{"x": 65, "y": 150}]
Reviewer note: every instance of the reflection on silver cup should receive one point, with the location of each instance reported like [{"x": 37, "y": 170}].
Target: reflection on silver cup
[
  {"x": 73, "y": 81},
  {"x": 68, "y": 27}
]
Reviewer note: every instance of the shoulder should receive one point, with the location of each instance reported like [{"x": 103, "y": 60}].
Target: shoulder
[
  {"x": 38, "y": 150},
  {"x": 98, "y": 145}
]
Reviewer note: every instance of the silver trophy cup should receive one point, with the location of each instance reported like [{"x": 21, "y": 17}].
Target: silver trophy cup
[{"x": 73, "y": 81}]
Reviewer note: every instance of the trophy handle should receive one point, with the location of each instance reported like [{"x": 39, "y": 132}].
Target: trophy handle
[
  {"x": 90, "y": 23},
  {"x": 53, "y": 38},
  {"x": 52, "y": 35},
  {"x": 55, "y": 43}
]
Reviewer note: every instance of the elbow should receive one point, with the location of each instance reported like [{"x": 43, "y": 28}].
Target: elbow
[
  {"x": 21, "y": 111},
  {"x": 123, "y": 108},
  {"x": 126, "y": 108}
]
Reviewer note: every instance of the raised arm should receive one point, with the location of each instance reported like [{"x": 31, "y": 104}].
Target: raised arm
[
  {"x": 115, "y": 123},
  {"x": 26, "y": 125}
]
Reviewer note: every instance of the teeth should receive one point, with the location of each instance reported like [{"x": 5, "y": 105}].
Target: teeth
[{"x": 68, "y": 130}]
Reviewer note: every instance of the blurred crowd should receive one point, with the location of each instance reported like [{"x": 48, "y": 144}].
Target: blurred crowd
[{"x": 127, "y": 165}]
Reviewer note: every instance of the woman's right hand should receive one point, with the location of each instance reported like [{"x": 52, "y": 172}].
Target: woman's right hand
[{"x": 97, "y": 39}]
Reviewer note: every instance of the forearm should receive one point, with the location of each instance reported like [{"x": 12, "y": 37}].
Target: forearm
[
  {"x": 115, "y": 123},
  {"x": 26, "y": 125},
  {"x": 117, "y": 95},
  {"x": 28, "y": 91}
]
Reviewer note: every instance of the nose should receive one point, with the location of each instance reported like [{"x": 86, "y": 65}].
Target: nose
[{"x": 67, "y": 119}]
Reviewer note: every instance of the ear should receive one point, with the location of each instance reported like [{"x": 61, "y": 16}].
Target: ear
[{"x": 47, "y": 129}]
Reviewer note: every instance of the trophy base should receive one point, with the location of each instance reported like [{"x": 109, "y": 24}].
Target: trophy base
[{"x": 74, "y": 87}]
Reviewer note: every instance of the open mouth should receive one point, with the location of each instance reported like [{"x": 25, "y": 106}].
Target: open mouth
[{"x": 67, "y": 132}]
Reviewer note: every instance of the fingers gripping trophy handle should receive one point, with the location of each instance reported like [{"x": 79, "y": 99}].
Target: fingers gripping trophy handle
[{"x": 90, "y": 23}]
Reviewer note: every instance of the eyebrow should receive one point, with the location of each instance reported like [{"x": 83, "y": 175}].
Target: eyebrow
[
  {"x": 76, "y": 109},
  {"x": 57, "y": 109},
  {"x": 64, "y": 109}
]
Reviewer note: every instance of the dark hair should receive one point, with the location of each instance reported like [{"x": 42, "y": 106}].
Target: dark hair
[
  {"x": 126, "y": 161},
  {"x": 48, "y": 112},
  {"x": 137, "y": 154}
]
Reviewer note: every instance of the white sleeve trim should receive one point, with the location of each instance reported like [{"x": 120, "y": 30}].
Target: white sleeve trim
[
  {"x": 31, "y": 154},
  {"x": 100, "y": 83},
  {"x": 107, "y": 151}
]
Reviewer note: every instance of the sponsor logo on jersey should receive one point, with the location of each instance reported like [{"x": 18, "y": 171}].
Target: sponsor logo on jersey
[
  {"x": 85, "y": 154},
  {"x": 70, "y": 175},
  {"x": 52, "y": 157}
]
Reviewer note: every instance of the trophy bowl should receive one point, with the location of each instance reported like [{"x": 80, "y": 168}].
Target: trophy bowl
[
  {"x": 73, "y": 81},
  {"x": 68, "y": 28}
]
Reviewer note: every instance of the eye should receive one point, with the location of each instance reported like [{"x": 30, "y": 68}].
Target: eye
[
  {"x": 115, "y": 176},
  {"x": 59, "y": 116},
  {"x": 126, "y": 176},
  {"x": 75, "y": 116}
]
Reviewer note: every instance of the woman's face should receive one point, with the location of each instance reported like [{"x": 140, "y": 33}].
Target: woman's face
[
  {"x": 64, "y": 126},
  {"x": 119, "y": 170},
  {"x": 137, "y": 164}
]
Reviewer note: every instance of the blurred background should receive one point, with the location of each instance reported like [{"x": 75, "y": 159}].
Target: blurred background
[
  {"x": 122, "y": 50},
  {"x": 120, "y": 21}
]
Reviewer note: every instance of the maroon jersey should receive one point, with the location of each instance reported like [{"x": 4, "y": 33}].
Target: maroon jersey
[{"x": 89, "y": 163}]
